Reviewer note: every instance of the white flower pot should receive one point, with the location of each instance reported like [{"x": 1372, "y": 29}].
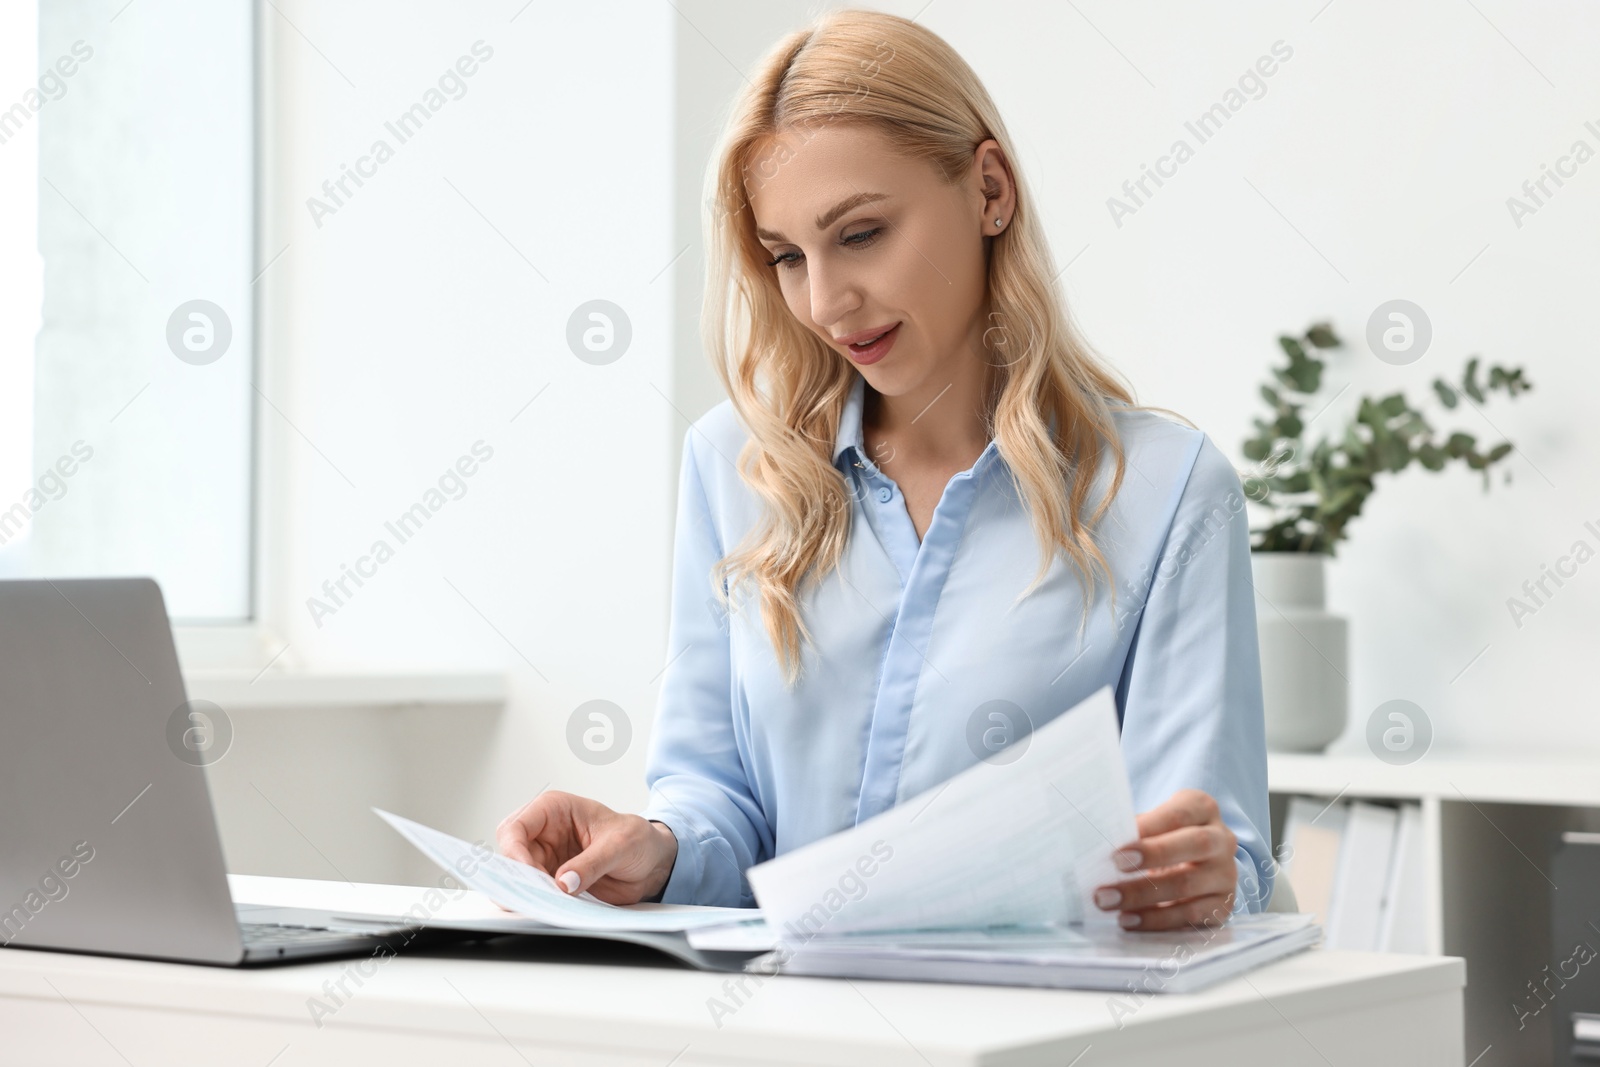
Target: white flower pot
[{"x": 1304, "y": 652}]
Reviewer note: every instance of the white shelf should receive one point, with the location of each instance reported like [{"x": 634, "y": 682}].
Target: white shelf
[
  {"x": 1565, "y": 780},
  {"x": 1489, "y": 822},
  {"x": 242, "y": 690}
]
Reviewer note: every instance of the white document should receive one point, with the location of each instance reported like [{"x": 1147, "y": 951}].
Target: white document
[
  {"x": 1062, "y": 958},
  {"x": 1002, "y": 843},
  {"x": 1079, "y": 946},
  {"x": 736, "y": 937},
  {"x": 1405, "y": 911},
  {"x": 1355, "y": 907},
  {"x": 534, "y": 894}
]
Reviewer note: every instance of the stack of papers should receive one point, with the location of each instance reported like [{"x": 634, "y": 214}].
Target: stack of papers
[
  {"x": 986, "y": 878},
  {"x": 1092, "y": 957}
]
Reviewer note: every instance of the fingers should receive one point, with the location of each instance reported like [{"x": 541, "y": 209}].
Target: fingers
[
  {"x": 1188, "y": 844},
  {"x": 609, "y": 847},
  {"x": 1186, "y": 807},
  {"x": 1186, "y": 874},
  {"x": 1209, "y": 911},
  {"x": 585, "y": 846},
  {"x": 517, "y": 831},
  {"x": 1184, "y": 882}
]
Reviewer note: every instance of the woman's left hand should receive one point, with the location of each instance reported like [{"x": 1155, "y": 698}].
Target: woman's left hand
[{"x": 1184, "y": 860}]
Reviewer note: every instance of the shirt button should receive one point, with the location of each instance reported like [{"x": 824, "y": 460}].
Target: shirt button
[{"x": 885, "y": 494}]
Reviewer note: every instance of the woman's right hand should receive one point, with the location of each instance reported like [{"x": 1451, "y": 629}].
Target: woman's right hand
[{"x": 584, "y": 845}]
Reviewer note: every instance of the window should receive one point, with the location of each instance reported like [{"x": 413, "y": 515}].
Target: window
[{"x": 127, "y": 420}]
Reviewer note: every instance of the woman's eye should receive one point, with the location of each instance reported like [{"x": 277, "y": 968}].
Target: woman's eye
[{"x": 861, "y": 239}]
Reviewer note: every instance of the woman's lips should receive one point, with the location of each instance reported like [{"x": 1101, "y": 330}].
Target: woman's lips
[{"x": 875, "y": 351}]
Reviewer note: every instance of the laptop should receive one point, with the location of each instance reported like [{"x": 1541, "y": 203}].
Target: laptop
[{"x": 108, "y": 841}]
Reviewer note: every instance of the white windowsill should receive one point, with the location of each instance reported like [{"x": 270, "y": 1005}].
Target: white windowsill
[{"x": 236, "y": 689}]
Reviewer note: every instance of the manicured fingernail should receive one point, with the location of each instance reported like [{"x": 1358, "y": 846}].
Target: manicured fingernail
[
  {"x": 1130, "y": 919},
  {"x": 1107, "y": 897},
  {"x": 1130, "y": 859},
  {"x": 569, "y": 881}
]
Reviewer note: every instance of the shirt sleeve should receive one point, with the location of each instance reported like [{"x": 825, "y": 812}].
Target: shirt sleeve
[
  {"x": 1190, "y": 692},
  {"x": 697, "y": 780}
]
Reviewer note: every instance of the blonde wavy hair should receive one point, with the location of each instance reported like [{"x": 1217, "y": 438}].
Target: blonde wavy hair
[{"x": 789, "y": 387}]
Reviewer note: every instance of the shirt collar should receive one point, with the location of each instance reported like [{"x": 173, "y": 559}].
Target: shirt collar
[{"x": 849, "y": 435}]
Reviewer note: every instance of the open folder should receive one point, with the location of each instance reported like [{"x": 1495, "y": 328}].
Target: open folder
[{"x": 987, "y": 878}]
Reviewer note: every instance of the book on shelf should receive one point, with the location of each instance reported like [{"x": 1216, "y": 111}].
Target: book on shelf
[
  {"x": 1358, "y": 866},
  {"x": 1403, "y": 926},
  {"x": 1311, "y": 834}
]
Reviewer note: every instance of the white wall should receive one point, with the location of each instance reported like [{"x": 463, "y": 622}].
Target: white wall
[{"x": 406, "y": 328}]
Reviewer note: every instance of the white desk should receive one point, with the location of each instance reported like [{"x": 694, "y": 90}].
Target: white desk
[{"x": 1314, "y": 1008}]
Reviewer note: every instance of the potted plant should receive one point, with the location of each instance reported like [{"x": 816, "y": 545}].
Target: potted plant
[{"x": 1309, "y": 495}]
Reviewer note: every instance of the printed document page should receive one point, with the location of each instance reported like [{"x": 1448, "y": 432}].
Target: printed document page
[
  {"x": 534, "y": 894},
  {"x": 1025, "y": 841}
]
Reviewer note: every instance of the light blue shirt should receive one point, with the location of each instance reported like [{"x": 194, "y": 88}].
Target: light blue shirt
[{"x": 912, "y": 639}]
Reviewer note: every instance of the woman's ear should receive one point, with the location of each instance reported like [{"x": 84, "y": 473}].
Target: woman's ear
[{"x": 999, "y": 191}]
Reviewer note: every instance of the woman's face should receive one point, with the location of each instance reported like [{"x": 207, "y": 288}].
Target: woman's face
[{"x": 907, "y": 251}]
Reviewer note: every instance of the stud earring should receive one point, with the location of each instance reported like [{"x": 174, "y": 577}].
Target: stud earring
[{"x": 997, "y": 222}]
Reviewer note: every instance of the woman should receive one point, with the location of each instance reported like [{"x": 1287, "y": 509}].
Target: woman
[{"x": 914, "y": 430}]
